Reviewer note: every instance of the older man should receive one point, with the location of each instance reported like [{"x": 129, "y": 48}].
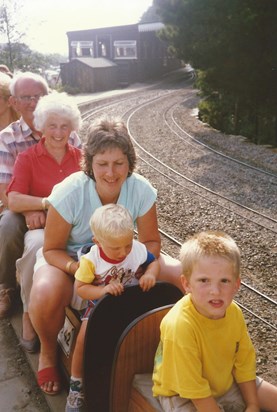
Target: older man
[{"x": 26, "y": 89}]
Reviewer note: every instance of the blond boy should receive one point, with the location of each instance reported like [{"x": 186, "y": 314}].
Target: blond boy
[
  {"x": 111, "y": 264},
  {"x": 205, "y": 361}
]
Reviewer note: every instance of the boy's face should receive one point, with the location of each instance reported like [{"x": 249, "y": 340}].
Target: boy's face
[
  {"x": 116, "y": 249},
  {"x": 212, "y": 286}
]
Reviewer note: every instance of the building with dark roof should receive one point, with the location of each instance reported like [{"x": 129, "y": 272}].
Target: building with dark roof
[{"x": 111, "y": 57}]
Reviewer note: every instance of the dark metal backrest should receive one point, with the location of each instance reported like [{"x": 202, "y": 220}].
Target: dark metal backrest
[{"x": 110, "y": 317}]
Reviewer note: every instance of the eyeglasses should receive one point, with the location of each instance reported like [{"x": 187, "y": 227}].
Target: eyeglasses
[{"x": 28, "y": 99}]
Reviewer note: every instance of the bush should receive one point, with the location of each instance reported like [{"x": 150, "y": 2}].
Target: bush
[{"x": 68, "y": 89}]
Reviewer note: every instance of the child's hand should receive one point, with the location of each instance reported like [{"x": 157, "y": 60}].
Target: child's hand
[
  {"x": 114, "y": 288},
  {"x": 147, "y": 281}
]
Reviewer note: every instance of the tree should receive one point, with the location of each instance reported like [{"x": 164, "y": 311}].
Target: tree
[
  {"x": 26, "y": 59},
  {"x": 150, "y": 15},
  {"x": 232, "y": 43},
  {"x": 14, "y": 53},
  {"x": 9, "y": 22}
]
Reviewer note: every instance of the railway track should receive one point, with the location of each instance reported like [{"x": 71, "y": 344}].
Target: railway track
[{"x": 201, "y": 187}]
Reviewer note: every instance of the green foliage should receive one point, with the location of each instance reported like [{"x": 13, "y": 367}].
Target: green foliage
[
  {"x": 69, "y": 89},
  {"x": 25, "y": 59},
  {"x": 226, "y": 114},
  {"x": 215, "y": 111},
  {"x": 232, "y": 43},
  {"x": 150, "y": 15},
  {"x": 13, "y": 51},
  {"x": 9, "y": 11}
]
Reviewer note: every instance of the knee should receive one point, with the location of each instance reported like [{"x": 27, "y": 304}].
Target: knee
[
  {"x": 50, "y": 293},
  {"x": 12, "y": 225},
  {"x": 169, "y": 267},
  {"x": 41, "y": 292},
  {"x": 42, "y": 304}
]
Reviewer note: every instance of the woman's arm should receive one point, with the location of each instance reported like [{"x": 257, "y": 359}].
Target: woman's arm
[
  {"x": 31, "y": 207},
  {"x": 57, "y": 231},
  {"x": 148, "y": 231},
  {"x": 170, "y": 268},
  {"x": 20, "y": 203}
]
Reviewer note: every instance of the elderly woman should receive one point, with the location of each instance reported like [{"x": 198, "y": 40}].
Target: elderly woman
[
  {"x": 107, "y": 177},
  {"x": 7, "y": 112},
  {"x": 36, "y": 171}
]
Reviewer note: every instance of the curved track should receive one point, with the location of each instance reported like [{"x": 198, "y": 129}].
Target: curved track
[{"x": 204, "y": 188}]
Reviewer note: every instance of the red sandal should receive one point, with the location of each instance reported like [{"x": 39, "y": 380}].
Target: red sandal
[{"x": 46, "y": 375}]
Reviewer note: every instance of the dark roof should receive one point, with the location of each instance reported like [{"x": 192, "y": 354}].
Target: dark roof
[
  {"x": 109, "y": 28},
  {"x": 141, "y": 27},
  {"x": 95, "y": 62}
]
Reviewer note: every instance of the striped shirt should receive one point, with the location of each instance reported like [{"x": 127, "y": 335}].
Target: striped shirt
[{"x": 16, "y": 138}]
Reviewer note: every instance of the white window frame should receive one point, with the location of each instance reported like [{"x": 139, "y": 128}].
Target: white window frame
[
  {"x": 82, "y": 44},
  {"x": 127, "y": 48}
]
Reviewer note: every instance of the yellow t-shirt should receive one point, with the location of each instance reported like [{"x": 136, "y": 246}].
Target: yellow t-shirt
[{"x": 199, "y": 357}]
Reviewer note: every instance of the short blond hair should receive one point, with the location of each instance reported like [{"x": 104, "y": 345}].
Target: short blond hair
[
  {"x": 209, "y": 243},
  {"x": 111, "y": 221}
]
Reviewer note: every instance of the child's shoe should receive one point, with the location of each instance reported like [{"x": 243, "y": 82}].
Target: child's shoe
[{"x": 75, "y": 402}]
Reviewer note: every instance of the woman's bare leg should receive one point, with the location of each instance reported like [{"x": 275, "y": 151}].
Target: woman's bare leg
[
  {"x": 28, "y": 331},
  {"x": 51, "y": 293},
  {"x": 171, "y": 270}
]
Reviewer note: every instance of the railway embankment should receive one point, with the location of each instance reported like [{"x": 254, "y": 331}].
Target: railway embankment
[{"x": 205, "y": 180}]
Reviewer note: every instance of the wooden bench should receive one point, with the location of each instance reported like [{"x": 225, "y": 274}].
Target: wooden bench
[{"x": 131, "y": 383}]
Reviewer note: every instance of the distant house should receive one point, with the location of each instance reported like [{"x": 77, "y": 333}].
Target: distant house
[
  {"x": 88, "y": 74},
  {"x": 111, "y": 57}
]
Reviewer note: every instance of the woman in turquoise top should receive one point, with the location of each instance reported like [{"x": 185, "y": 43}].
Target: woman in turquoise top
[{"x": 107, "y": 176}]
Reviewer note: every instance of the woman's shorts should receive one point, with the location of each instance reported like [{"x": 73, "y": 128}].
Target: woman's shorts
[{"x": 76, "y": 302}]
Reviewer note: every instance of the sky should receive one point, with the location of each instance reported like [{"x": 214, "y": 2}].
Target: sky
[{"x": 47, "y": 21}]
